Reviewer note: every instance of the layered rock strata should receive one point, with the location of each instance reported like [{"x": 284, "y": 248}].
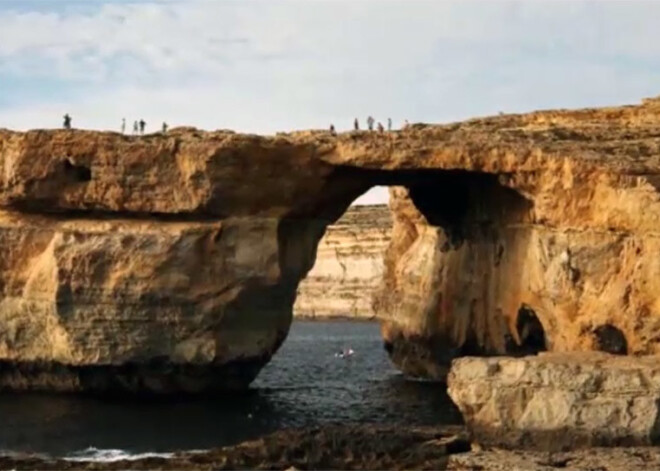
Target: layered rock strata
[
  {"x": 170, "y": 262},
  {"x": 559, "y": 401},
  {"x": 540, "y": 238},
  {"x": 349, "y": 266},
  {"x": 135, "y": 305}
]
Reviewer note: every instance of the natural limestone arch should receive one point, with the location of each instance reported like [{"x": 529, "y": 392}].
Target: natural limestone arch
[{"x": 170, "y": 262}]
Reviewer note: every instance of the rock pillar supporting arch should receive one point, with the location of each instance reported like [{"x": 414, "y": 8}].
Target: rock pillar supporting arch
[{"x": 452, "y": 270}]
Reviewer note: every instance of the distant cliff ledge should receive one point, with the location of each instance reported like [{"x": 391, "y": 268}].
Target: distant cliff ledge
[{"x": 349, "y": 266}]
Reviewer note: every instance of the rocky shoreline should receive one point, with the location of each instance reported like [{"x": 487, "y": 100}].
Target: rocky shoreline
[
  {"x": 359, "y": 447},
  {"x": 582, "y": 411},
  {"x": 333, "y": 447}
]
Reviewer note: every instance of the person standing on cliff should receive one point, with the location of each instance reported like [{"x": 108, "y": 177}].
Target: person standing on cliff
[
  {"x": 381, "y": 129},
  {"x": 135, "y": 127},
  {"x": 356, "y": 125},
  {"x": 123, "y": 125},
  {"x": 142, "y": 126},
  {"x": 164, "y": 127},
  {"x": 389, "y": 124},
  {"x": 332, "y": 130},
  {"x": 67, "y": 121},
  {"x": 370, "y": 123}
]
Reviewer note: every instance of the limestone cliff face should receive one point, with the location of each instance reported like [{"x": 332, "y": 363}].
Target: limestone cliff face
[
  {"x": 169, "y": 263},
  {"x": 135, "y": 305},
  {"x": 348, "y": 268}
]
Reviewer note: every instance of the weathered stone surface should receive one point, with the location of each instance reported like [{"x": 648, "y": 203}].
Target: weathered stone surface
[
  {"x": 547, "y": 246},
  {"x": 558, "y": 401},
  {"x": 136, "y": 305},
  {"x": 349, "y": 266},
  {"x": 511, "y": 234},
  {"x": 592, "y": 459}
]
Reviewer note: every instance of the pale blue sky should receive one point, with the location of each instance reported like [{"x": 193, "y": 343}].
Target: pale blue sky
[{"x": 266, "y": 66}]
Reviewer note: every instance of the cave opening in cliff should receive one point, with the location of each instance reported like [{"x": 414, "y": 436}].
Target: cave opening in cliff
[
  {"x": 611, "y": 339},
  {"x": 78, "y": 173},
  {"x": 531, "y": 333}
]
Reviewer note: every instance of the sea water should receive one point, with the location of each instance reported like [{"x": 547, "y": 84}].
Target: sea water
[{"x": 308, "y": 383}]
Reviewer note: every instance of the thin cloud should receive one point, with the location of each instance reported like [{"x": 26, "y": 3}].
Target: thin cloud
[
  {"x": 279, "y": 65},
  {"x": 271, "y": 66}
]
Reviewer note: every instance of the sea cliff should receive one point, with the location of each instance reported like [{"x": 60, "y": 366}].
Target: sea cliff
[{"x": 349, "y": 266}]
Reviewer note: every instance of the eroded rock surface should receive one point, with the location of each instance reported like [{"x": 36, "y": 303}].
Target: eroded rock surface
[
  {"x": 558, "y": 401},
  {"x": 592, "y": 459},
  {"x": 136, "y": 305},
  {"x": 349, "y": 266},
  {"x": 178, "y": 256}
]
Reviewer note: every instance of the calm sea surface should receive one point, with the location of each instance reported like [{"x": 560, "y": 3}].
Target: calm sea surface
[{"x": 304, "y": 385}]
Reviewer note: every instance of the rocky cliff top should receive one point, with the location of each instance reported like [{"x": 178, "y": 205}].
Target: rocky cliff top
[{"x": 189, "y": 171}]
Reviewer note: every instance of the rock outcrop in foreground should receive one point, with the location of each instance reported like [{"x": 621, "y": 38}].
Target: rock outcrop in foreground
[
  {"x": 362, "y": 447},
  {"x": 593, "y": 459},
  {"x": 170, "y": 263},
  {"x": 326, "y": 448},
  {"x": 349, "y": 266},
  {"x": 559, "y": 401}
]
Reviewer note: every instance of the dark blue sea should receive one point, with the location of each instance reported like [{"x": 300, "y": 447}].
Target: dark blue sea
[{"x": 306, "y": 384}]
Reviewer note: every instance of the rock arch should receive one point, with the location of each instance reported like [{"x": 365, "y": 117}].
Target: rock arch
[{"x": 180, "y": 255}]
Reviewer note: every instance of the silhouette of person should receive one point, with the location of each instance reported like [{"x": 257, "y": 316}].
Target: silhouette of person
[
  {"x": 67, "y": 121},
  {"x": 356, "y": 124},
  {"x": 164, "y": 127},
  {"x": 389, "y": 124},
  {"x": 123, "y": 125},
  {"x": 142, "y": 126},
  {"x": 332, "y": 130},
  {"x": 135, "y": 127},
  {"x": 370, "y": 123},
  {"x": 380, "y": 127}
]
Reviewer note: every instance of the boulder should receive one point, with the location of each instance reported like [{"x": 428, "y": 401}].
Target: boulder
[{"x": 558, "y": 401}]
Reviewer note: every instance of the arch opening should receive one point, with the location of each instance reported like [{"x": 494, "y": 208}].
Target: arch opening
[{"x": 451, "y": 241}]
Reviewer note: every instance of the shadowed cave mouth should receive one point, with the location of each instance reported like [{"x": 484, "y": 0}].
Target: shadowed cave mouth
[
  {"x": 611, "y": 339},
  {"x": 469, "y": 207},
  {"x": 530, "y": 332},
  {"x": 78, "y": 173}
]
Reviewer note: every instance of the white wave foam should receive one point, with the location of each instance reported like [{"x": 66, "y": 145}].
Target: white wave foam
[{"x": 110, "y": 455}]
